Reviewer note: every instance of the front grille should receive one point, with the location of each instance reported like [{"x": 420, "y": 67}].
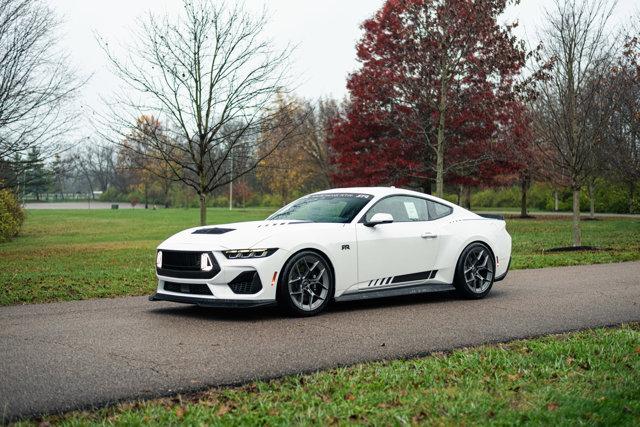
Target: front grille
[
  {"x": 186, "y": 264},
  {"x": 247, "y": 282},
  {"x": 188, "y": 261},
  {"x": 188, "y": 288}
]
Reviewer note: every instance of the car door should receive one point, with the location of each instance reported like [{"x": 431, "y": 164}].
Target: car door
[{"x": 406, "y": 247}]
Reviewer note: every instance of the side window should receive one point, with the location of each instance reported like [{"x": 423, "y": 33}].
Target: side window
[
  {"x": 402, "y": 208},
  {"x": 437, "y": 210}
]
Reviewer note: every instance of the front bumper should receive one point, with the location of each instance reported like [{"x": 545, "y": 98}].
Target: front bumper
[
  {"x": 210, "y": 302},
  {"x": 229, "y": 286}
]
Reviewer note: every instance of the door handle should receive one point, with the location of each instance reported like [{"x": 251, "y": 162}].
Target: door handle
[{"x": 428, "y": 235}]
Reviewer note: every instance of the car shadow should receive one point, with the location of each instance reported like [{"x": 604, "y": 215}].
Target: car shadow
[
  {"x": 229, "y": 314},
  {"x": 274, "y": 313}
]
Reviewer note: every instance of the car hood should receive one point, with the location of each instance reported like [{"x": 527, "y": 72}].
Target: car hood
[{"x": 239, "y": 235}]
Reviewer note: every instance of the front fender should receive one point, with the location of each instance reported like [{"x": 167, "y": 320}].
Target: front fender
[{"x": 336, "y": 241}]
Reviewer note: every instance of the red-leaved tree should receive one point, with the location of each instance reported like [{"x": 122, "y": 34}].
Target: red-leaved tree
[{"x": 432, "y": 95}]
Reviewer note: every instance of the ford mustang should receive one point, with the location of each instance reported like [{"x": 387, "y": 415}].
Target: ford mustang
[{"x": 336, "y": 245}]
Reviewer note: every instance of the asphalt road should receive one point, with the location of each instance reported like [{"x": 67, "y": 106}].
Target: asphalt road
[{"x": 56, "y": 357}]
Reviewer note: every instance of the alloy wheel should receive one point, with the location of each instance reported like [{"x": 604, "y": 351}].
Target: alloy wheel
[
  {"x": 308, "y": 282},
  {"x": 478, "y": 270}
]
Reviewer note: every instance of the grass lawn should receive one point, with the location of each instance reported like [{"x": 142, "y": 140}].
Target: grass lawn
[
  {"x": 79, "y": 254},
  {"x": 590, "y": 377}
]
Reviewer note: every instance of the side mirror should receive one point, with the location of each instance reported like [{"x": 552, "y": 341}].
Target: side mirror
[{"x": 379, "y": 218}]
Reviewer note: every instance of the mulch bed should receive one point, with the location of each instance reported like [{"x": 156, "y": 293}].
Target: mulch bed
[{"x": 573, "y": 249}]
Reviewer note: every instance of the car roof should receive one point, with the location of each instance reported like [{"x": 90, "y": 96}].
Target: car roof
[{"x": 383, "y": 191}]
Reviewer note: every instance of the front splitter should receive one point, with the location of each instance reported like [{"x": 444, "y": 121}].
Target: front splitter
[{"x": 214, "y": 303}]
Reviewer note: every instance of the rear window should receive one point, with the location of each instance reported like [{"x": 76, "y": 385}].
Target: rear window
[{"x": 437, "y": 210}]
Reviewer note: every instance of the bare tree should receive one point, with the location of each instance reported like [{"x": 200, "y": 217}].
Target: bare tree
[
  {"x": 96, "y": 164},
  {"x": 198, "y": 73},
  {"x": 622, "y": 142},
  {"x": 566, "y": 109},
  {"x": 315, "y": 131},
  {"x": 36, "y": 83}
]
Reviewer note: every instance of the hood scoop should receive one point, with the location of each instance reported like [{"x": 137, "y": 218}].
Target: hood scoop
[{"x": 213, "y": 230}]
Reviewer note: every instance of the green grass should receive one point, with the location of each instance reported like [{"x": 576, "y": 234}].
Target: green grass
[
  {"x": 618, "y": 240},
  {"x": 590, "y": 377},
  {"x": 80, "y": 254}
]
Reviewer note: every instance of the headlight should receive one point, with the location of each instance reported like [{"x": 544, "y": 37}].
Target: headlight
[
  {"x": 159, "y": 259},
  {"x": 248, "y": 253}
]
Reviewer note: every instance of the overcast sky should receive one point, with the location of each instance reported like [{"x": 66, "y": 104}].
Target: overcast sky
[{"x": 325, "y": 32}]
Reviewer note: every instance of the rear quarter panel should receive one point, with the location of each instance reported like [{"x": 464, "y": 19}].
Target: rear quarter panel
[{"x": 459, "y": 233}]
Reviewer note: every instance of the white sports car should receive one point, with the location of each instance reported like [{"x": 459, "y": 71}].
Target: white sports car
[{"x": 336, "y": 245}]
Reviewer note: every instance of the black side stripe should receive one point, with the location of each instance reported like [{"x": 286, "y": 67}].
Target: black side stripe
[{"x": 423, "y": 275}]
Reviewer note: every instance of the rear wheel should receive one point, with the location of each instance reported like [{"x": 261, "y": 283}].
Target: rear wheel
[
  {"x": 306, "y": 284},
  {"x": 475, "y": 271}
]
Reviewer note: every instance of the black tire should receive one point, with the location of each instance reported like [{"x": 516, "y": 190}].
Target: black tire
[
  {"x": 291, "y": 293},
  {"x": 470, "y": 268}
]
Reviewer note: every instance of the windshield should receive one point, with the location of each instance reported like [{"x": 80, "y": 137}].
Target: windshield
[{"x": 324, "y": 207}]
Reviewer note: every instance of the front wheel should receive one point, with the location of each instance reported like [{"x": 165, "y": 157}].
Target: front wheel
[
  {"x": 475, "y": 271},
  {"x": 306, "y": 284}
]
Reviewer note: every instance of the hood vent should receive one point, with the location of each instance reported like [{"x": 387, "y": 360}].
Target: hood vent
[
  {"x": 272, "y": 223},
  {"x": 213, "y": 230}
]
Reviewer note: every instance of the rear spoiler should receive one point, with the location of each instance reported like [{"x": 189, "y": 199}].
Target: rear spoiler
[{"x": 492, "y": 216}]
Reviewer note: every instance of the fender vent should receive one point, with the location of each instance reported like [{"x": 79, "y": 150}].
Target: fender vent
[{"x": 247, "y": 282}]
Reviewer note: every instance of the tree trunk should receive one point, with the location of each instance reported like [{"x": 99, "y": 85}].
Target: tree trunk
[
  {"x": 442, "y": 109},
  {"x": 467, "y": 197},
  {"x": 203, "y": 209},
  {"x": 166, "y": 194},
  {"x": 592, "y": 207},
  {"x": 426, "y": 186},
  {"x": 146, "y": 196},
  {"x": 459, "y": 195},
  {"x": 555, "y": 196},
  {"x": 440, "y": 164},
  {"x": 632, "y": 188},
  {"x": 577, "y": 238},
  {"x": 524, "y": 187}
]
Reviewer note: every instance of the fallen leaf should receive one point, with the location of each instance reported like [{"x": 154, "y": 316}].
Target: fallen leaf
[
  {"x": 552, "y": 406},
  {"x": 349, "y": 396},
  {"x": 223, "y": 410},
  {"x": 514, "y": 377},
  {"x": 180, "y": 411},
  {"x": 418, "y": 418}
]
